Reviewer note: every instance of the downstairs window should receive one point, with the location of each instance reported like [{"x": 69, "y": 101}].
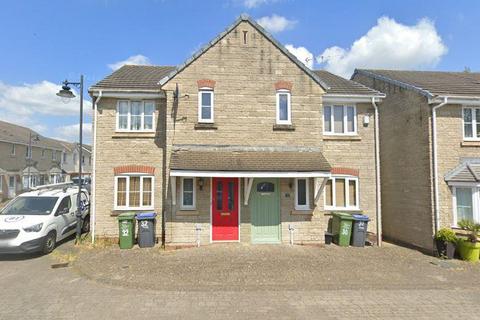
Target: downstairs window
[{"x": 133, "y": 192}]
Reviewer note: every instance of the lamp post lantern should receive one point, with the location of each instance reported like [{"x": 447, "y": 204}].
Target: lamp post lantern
[{"x": 66, "y": 93}]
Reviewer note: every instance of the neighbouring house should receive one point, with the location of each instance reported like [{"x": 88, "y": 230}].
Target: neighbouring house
[
  {"x": 430, "y": 151},
  {"x": 242, "y": 142},
  {"x": 71, "y": 160},
  {"x": 22, "y": 167}
]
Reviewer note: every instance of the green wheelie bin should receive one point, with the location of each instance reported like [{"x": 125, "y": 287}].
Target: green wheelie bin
[
  {"x": 342, "y": 228},
  {"x": 126, "y": 225}
]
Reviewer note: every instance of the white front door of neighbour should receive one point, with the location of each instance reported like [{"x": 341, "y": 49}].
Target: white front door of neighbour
[{"x": 11, "y": 186}]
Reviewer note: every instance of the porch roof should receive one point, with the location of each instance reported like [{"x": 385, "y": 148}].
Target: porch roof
[
  {"x": 467, "y": 171},
  {"x": 248, "y": 163}
]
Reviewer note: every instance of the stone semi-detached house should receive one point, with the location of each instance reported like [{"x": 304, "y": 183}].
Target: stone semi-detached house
[
  {"x": 242, "y": 142},
  {"x": 430, "y": 151},
  {"x": 42, "y": 163}
]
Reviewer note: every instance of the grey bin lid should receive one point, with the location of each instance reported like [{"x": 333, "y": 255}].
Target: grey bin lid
[{"x": 146, "y": 216}]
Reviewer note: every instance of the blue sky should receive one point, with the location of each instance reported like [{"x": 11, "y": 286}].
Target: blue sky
[{"x": 44, "y": 42}]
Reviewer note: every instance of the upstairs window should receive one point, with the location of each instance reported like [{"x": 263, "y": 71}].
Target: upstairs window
[
  {"x": 135, "y": 115},
  {"x": 471, "y": 123},
  {"x": 340, "y": 120},
  {"x": 341, "y": 193},
  {"x": 205, "y": 105},
  {"x": 284, "y": 112},
  {"x": 12, "y": 150},
  {"x": 54, "y": 155}
]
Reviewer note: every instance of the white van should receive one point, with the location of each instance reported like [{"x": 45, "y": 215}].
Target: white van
[{"x": 37, "y": 220}]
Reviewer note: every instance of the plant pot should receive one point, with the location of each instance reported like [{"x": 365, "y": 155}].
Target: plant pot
[
  {"x": 445, "y": 249},
  {"x": 469, "y": 251}
]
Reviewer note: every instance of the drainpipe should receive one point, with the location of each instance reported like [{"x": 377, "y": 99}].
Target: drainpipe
[
  {"x": 93, "y": 204},
  {"x": 435, "y": 162},
  {"x": 377, "y": 175}
]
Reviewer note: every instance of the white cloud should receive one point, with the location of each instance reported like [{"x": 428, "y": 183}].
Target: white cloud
[
  {"x": 302, "y": 54},
  {"x": 388, "y": 45},
  {"x": 39, "y": 98},
  {"x": 71, "y": 132},
  {"x": 137, "y": 59},
  {"x": 276, "y": 23},
  {"x": 256, "y": 3}
]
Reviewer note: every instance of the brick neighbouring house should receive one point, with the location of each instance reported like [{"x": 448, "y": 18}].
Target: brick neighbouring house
[
  {"x": 234, "y": 142},
  {"x": 428, "y": 181}
]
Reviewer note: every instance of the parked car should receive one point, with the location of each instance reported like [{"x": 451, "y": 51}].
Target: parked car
[{"x": 36, "y": 220}]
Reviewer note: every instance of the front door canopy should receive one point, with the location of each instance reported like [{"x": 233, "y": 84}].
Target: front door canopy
[{"x": 250, "y": 174}]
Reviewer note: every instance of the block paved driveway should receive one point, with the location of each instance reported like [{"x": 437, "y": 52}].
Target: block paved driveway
[{"x": 268, "y": 282}]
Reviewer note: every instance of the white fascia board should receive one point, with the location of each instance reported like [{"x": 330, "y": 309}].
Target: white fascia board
[
  {"x": 463, "y": 100},
  {"x": 130, "y": 94},
  {"x": 249, "y": 174},
  {"x": 463, "y": 184},
  {"x": 337, "y": 98}
]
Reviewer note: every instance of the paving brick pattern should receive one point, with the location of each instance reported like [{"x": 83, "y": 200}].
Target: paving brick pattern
[{"x": 31, "y": 289}]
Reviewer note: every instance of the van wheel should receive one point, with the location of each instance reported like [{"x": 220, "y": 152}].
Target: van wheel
[
  {"x": 86, "y": 224},
  {"x": 50, "y": 242}
]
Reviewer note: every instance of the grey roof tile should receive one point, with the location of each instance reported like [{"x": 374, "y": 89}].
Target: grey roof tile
[
  {"x": 341, "y": 86},
  {"x": 431, "y": 83}
]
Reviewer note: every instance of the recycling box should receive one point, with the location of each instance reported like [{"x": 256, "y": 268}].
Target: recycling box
[
  {"x": 146, "y": 229},
  {"x": 126, "y": 226},
  {"x": 342, "y": 228}
]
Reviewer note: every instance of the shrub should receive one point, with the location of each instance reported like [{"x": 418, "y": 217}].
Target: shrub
[
  {"x": 474, "y": 229},
  {"x": 446, "y": 235}
]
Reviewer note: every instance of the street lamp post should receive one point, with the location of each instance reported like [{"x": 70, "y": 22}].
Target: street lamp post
[
  {"x": 29, "y": 157},
  {"x": 68, "y": 94}
]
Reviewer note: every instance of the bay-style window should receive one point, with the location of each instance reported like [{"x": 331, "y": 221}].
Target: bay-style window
[
  {"x": 302, "y": 196},
  {"x": 133, "y": 192},
  {"x": 466, "y": 204},
  {"x": 284, "y": 109},
  {"x": 187, "y": 196},
  {"x": 342, "y": 193},
  {"x": 471, "y": 123},
  {"x": 339, "y": 120},
  {"x": 135, "y": 115},
  {"x": 205, "y": 105}
]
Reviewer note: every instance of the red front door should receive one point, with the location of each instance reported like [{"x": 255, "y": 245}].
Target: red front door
[{"x": 224, "y": 209}]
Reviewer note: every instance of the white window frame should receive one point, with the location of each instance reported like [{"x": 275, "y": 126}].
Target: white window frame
[
  {"x": 348, "y": 207},
  {"x": 474, "y": 137},
  {"x": 307, "y": 191},
  {"x": 29, "y": 152},
  {"x": 127, "y": 205},
  {"x": 129, "y": 117},
  {"x": 345, "y": 120},
  {"x": 194, "y": 195},
  {"x": 54, "y": 155},
  {"x": 475, "y": 201},
  {"x": 289, "y": 107},
  {"x": 13, "y": 150},
  {"x": 212, "y": 99}
]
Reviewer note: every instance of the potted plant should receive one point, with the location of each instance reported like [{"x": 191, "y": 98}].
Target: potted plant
[
  {"x": 469, "y": 248},
  {"x": 446, "y": 240}
]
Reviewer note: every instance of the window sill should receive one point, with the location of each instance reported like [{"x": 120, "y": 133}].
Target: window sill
[
  {"x": 354, "y": 210},
  {"x": 187, "y": 212},
  {"x": 342, "y": 138},
  {"x": 301, "y": 212},
  {"x": 472, "y": 143},
  {"x": 205, "y": 126},
  {"x": 117, "y": 212},
  {"x": 283, "y": 127},
  {"x": 134, "y": 134}
]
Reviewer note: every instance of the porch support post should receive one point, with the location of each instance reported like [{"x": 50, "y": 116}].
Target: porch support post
[
  {"x": 319, "y": 185},
  {"x": 173, "y": 185},
  {"x": 247, "y": 187}
]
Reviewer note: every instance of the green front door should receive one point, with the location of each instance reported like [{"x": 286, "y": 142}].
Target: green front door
[{"x": 265, "y": 211}]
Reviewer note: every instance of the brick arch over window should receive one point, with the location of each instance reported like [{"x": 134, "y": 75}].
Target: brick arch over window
[
  {"x": 206, "y": 83},
  {"x": 134, "y": 169},
  {"x": 346, "y": 171},
  {"x": 283, "y": 85}
]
